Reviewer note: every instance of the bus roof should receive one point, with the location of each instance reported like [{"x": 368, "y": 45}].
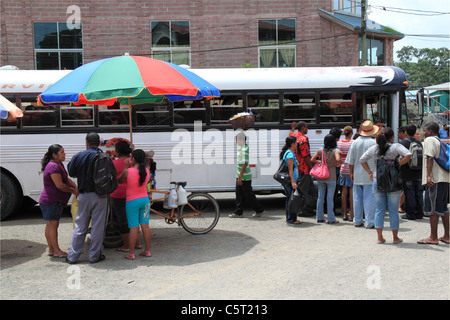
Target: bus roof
[
  {"x": 37, "y": 81},
  {"x": 302, "y": 78}
]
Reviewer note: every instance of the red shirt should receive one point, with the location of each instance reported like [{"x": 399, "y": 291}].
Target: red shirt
[{"x": 302, "y": 151}]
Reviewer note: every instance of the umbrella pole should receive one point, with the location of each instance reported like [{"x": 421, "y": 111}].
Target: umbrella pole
[{"x": 129, "y": 120}]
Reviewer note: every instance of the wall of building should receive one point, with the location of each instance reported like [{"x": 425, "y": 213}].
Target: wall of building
[{"x": 223, "y": 33}]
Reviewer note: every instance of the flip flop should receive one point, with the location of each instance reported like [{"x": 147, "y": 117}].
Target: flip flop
[
  {"x": 424, "y": 241},
  {"x": 122, "y": 249},
  {"x": 145, "y": 254},
  {"x": 397, "y": 242},
  {"x": 130, "y": 256},
  {"x": 61, "y": 255},
  {"x": 443, "y": 240},
  {"x": 382, "y": 241}
]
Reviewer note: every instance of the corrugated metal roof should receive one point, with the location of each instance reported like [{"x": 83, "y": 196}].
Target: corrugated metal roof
[{"x": 354, "y": 22}]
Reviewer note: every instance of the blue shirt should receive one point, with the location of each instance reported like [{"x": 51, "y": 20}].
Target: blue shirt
[
  {"x": 290, "y": 155},
  {"x": 78, "y": 168},
  {"x": 443, "y": 133}
]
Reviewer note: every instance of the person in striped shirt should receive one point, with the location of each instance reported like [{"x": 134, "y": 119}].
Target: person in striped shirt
[
  {"x": 244, "y": 191},
  {"x": 344, "y": 177}
]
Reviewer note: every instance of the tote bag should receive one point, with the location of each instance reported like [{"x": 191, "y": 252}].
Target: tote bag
[
  {"x": 282, "y": 174},
  {"x": 320, "y": 170}
]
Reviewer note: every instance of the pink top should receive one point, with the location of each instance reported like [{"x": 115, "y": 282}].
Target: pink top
[
  {"x": 134, "y": 190},
  {"x": 121, "y": 191}
]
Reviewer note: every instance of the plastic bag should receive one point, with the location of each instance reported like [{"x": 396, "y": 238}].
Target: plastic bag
[{"x": 295, "y": 201}]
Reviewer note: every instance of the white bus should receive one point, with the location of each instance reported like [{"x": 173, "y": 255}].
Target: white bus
[{"x": 193, "y": 140}]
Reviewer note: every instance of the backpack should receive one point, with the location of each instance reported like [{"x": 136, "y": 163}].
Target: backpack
[
  {"x": 103, "y": 173},
  {"x": 443, "y": 160},
  {"x": 416, "y": 149},
  {"x": 388, "y": 175}
]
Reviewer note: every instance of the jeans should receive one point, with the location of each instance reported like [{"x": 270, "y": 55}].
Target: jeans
[
  {"x": 390, "y": 200},
  {"x": 328, "y": 188},
  {"x": 363, "y": 204},
  {"x": 413, "y": 204}
]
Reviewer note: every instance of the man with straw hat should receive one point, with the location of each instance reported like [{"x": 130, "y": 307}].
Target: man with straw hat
[{"x": 363, "y": 200}]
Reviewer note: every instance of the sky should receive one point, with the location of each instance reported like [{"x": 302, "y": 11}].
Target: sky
[{"x": 414, "y": 22}]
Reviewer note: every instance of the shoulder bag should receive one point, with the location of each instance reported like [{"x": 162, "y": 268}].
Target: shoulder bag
[{"x": 320, "y": 170}]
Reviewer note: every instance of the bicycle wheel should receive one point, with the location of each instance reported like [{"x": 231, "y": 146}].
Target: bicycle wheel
[{"x": 201, "y": 214}]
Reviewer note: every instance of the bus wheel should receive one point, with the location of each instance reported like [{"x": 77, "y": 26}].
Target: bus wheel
[{"x": 10, "y": 196}]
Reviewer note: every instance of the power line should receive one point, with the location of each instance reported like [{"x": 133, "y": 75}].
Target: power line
[{"x": 410, "y": 11}]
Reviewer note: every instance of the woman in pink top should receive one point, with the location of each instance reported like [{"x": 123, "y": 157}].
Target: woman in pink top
[
  {"x": 138, "y": 204},
  {"x": 118, "y": 196},
  {"x": 344, "y": 176}
]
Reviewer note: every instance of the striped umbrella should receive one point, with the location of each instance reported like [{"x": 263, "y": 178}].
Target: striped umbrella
[
  {"x": 7, "y": 107},
  {"x": 131, "y": 79}
]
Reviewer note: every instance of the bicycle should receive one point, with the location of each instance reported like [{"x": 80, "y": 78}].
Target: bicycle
[{"x": 198, "y": 216}]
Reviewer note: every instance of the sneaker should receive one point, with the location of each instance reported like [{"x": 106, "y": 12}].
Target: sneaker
[
  {"x": 235, "y": 215},
  {"x": 257, "y": 214}
]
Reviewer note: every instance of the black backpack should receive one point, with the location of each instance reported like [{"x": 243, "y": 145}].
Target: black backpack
[{"x": 103, "y": 173}]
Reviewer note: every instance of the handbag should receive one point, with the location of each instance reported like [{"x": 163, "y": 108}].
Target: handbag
[
  {"x": 388, "y": 175},
  {"x": 282, "y": 174},
  {"x": 320, "y": 170}
]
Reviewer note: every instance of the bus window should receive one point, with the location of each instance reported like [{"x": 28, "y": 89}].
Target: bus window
[
  {"x": 112, "y": 116},
  {"x": 265, "y": 106},
  {"x": 188, "y": 112},
  {"x": 335, "y": 107},
  {"x": 39, "y": 117},
  {"x": 299, "y": 107},
  {"x": 225, "y": 107},
  {"x": 377, "y": 109},
  {"x": 152, "y": 114},
  {"x": 9, "y": 122},
  {"x": 77, "y": 116}
]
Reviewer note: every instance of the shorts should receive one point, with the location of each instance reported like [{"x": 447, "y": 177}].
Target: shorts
[
  {"x": 345, "y": 180},
  {"x": 138, "y": 211},
  {"x": 436, "y": 199},
  {"x": 52, "y": 212}
]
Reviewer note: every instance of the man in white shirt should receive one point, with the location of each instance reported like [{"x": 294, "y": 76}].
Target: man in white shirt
[{"x": 437, "y": 181}]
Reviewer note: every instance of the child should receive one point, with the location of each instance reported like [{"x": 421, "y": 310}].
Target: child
[
  {"x": 244, "y": 189},
  {"x": 137, "y": 204}
]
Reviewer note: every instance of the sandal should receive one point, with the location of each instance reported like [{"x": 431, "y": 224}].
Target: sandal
[
  {"x": 62, "y": 254},
  {"x": 145, "y": 253},
  {"x": 443, "y": 240},
  {"x": 426, "y": 241},
  {"x": 130, "y": 256}
]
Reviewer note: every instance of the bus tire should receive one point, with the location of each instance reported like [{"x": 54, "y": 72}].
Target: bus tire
[{"x": 10, "y": 196}]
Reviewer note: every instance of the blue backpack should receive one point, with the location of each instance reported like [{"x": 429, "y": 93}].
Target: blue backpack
[{"x": 443, "y": 160}]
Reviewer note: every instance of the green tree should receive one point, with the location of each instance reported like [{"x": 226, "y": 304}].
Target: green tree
[{"x": 426, "y": 66}]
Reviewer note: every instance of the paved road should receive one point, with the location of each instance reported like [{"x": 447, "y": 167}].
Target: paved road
[{"x": 247, "y": 258}]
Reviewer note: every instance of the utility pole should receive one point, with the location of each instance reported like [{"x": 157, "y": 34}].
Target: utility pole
[{"x": 363, "y": 33}]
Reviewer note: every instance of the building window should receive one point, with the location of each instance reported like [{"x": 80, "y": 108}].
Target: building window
[
  {"x": 171, "y": 41},
  {"x": 56, "y": 46},
  {"x": 277, "y": 46},
  {"x": 375, "y": 52},
  {"x": 350, "y": 6}
]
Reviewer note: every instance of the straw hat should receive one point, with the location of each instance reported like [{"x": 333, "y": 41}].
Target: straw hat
[{"x": 368, "y": 129}]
